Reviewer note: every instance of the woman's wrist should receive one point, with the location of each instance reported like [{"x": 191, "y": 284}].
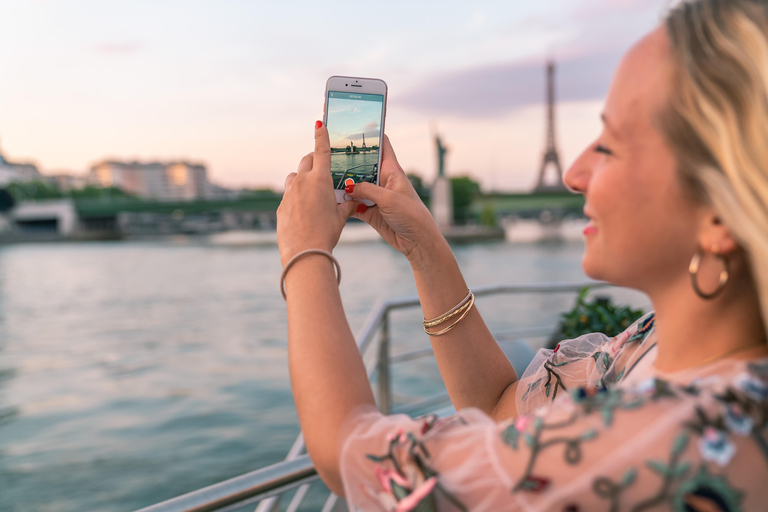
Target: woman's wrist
[
  {"x": 433, "y": 252},
  {"x": 307, "y": 272}
]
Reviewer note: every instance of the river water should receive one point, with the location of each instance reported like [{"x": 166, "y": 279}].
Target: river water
[{"x": 135, "y": 371}]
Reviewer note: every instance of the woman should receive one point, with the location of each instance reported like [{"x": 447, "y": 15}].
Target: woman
[{"x": 670, "y": 414}]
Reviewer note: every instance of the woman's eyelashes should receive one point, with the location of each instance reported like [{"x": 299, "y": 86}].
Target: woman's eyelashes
[{"x": 599, "y": 148}]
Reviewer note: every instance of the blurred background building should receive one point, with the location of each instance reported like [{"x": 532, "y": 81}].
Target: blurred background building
[
  {"x": 15, "y": 172},
  {"x": 161, "y": 181}
]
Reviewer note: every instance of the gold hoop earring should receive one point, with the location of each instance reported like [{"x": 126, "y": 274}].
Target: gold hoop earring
[{"x": 693, "y": 269}]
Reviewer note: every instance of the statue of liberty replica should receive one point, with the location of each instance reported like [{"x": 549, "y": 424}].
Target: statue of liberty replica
[{"x": 441, "y": 201}]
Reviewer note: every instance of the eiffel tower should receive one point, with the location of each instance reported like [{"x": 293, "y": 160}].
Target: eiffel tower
[{"x": 550, "y": 154}]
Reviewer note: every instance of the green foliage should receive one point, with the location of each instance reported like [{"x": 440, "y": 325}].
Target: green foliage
[
  {"x": 259, "y": 193},
  {"x": 464, "y": 192},
  {"x": 41, "y": 190},
  {"x": 597, "y": 315},
  {"x": 488, "y": 216},
  {"x": 33, "y": 191},
  {"x": 92, "y": 192},
  {"x": 418, "y": 186}
]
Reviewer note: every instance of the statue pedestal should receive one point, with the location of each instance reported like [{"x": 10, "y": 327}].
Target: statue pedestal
[{"x": 441, "y": 202}]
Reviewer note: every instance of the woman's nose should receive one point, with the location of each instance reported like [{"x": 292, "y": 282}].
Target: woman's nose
[{"x": 577, "y": 176}]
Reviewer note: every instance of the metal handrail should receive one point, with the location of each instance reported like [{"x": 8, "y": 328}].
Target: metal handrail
[
  {"x": 264, "y": 485},
  {"x": 264, "y": 482}
]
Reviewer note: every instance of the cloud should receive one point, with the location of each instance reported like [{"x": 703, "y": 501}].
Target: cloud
[
  {"x": 124, "y": 48},
  {"x": 496, "y": 90},
  {"x": 599, "y": 32}
]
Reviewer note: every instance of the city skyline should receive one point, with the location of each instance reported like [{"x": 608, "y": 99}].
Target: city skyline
[{"x": 238, "y": 85}]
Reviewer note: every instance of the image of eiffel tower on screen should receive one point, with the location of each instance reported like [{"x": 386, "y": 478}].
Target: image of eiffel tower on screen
[{"x": 354, "y": 128}]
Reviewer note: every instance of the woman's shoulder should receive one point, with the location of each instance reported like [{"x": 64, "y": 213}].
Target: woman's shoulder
[{"x": 592, "y": 360}]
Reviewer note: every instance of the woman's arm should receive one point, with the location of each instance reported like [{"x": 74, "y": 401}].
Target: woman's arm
[
  {"x": 475, "y": 370},
  {"x": 327, "y": 373}
]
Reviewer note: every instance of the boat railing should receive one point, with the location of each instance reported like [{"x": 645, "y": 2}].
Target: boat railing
[{"x": 264, "y": 488}]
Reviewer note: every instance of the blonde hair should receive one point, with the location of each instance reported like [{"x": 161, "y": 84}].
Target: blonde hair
[{"x": 717, "y": 118}]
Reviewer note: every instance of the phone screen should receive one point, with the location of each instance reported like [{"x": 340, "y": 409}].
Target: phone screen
[{"x": 354, "y": 127}]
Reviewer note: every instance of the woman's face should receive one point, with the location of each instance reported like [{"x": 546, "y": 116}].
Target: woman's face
[{"x": 642, "y": 230}]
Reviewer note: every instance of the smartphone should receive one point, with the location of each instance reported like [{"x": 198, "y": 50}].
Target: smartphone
[{"x": 354, "y": 114}]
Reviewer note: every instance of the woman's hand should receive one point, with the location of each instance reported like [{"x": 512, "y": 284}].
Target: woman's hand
[
  {"x": 308, "y": 216},
  {"x": 400, "y": 216}
]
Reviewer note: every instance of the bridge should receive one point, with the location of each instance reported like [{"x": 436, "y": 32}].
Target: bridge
[{"x": 99, "y": 208}]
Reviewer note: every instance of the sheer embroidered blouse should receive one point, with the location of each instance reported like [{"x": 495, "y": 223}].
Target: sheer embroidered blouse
[{"x": 598, "y": 429}]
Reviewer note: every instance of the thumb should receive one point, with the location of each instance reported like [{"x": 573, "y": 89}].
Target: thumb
[
  {"x": 348, "y": 208},
  {"x": 375, "y": 193}
]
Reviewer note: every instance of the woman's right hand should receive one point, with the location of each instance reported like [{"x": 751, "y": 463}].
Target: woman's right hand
[{"x": 400, "y": 216}]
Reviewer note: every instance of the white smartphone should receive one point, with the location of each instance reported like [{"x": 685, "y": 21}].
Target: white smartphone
[{"x": 354, "y": 114}]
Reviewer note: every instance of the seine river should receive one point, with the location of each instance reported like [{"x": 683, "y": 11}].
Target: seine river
[{"x": 135, "y": 371}]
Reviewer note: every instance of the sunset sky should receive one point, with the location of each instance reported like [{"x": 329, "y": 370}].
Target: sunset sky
[{"x": 238, "y": 84}]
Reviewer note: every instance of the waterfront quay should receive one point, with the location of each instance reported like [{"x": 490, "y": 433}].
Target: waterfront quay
[{"x": 119, "y": 217}]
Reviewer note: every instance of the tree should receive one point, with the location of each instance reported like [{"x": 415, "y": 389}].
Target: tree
[
  {"x": 33, "y": 191},
  {"x": 418, "y": 185},
  {"x": 93, "y": 192},
  {"x": 465, "y": 190}
]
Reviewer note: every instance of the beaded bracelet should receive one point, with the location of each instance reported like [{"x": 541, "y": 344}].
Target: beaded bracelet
[{"x": 307, "y": 253}]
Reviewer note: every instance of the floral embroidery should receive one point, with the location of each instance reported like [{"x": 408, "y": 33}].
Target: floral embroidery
[
  {"x": 669, "y": 472},
  {"x": 619, "y": 341},
  {"x": 647, "y": 386},
  {"x": 550, "y": 367},
  {"x": 511, "y": 434},
  {"x": 534, "y": 483},
  {"x": 531, "y": 387},
  {"x": 528, "y": 482},
  {"x": 408, "y": 483},
  {"x": 737, "y": 420},
  {"x": 606, "y": 361},
  {"x": 644, "y": 326},
  {"x": 606, "y": 401},
  {"x": 707, "y": 492},
  {"x": 606, "y": 488},
  {"x": 715, "y": 446},
  {"x": 752, "y": 386}
]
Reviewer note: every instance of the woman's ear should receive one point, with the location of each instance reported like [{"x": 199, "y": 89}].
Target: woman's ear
[{"x": 714, "y": 235}]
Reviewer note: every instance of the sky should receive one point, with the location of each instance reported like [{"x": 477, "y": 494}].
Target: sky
[{"x": 238, "y": 84}]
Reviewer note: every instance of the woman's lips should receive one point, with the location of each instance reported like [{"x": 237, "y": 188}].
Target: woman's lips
[{"x": 589, "y": 229}]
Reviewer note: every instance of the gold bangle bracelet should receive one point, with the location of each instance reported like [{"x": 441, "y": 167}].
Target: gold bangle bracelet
[
  {"x": 450, "y": 313},
  {"x": 447, "y": 316},
  {"x": 443, "y": 331},
  {"x": 307, "y": 253}
]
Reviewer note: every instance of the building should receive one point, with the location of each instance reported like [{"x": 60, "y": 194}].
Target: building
[
  {"x": 10, "y": 172},
  {"x": 67, "y": 182},
  {"x": 172, "y": 181}
]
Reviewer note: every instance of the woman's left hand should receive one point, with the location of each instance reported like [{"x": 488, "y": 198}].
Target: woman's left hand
[{"x": 308, "y": 216}]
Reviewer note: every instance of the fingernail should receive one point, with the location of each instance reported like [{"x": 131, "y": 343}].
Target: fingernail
[
  {"x": 349, "y": 189},
  {"x": 318, "y": 125},
  {"x": 361, "y": 208}
]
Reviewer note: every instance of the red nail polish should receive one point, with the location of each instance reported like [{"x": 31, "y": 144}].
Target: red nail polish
[
  {"x": 361, "y": 208},
  {"x": 349, "y": 189},
  {"x": 318, "y": 125}
]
